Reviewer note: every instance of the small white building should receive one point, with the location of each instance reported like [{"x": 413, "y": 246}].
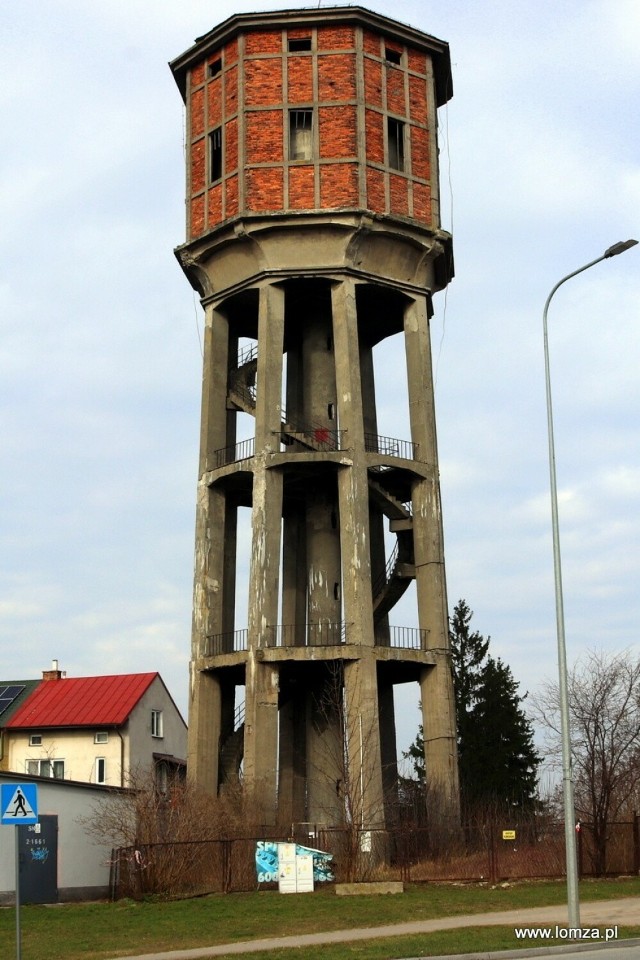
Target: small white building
[{"x": 103, "y": 730}]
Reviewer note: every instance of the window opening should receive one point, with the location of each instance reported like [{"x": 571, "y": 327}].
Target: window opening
[
  {"x": 101, "y": 770},
  {"x": 296, "y": 44},
  {"x": 331, "y": 410},
  {"x": 395, "y": 137},
  {"x": 215, "y": 146},
  {"x": 215, "y": 68},
  {"x": 392, "y": 56},
  {"x": 101, "y": 736},
  {"x": 46, "y": 768},
  {"x": 156, "y": 723},
  {"x": 35, "y": 740},
  {"x": 300, "y": 134}
]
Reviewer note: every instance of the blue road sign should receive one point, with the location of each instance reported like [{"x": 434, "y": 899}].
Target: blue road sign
[{"x": 18, "y": 803}]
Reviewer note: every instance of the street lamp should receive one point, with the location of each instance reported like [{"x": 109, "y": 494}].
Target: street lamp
[{"x": 573, "y": 901}]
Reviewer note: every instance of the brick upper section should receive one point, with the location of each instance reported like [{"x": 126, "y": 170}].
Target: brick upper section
[{"x": 361, "y": 88}]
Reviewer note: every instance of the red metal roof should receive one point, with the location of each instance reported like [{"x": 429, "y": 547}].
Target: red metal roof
[{"x": 82, "y": 701}]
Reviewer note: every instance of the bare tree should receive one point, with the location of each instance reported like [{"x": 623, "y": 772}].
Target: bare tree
[
  {"x": 159, "y": 836},
  {"x": 604, "y": 709},
  {"x": 345, "y": 764}
]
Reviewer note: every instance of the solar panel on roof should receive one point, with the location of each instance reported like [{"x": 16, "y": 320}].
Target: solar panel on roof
[{"x": 8, "y": 694}]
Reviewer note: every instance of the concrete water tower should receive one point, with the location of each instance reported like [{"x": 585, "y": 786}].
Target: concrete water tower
[{"x": 313, "y": 228}]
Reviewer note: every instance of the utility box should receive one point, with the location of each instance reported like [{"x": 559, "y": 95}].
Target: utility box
[{"x": 295, "y": 870}]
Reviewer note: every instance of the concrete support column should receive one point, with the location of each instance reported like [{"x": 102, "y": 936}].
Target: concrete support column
[
  {"x": 204, "y": 729},
  {"x": 353, "y": 484},
  {"x": 262, "y": 688},
  {"x": 292, "y": 757},
  {"x": 325, "y": 753},
  {"x": 362, "y": 730},
  {"x": 214, "y": 423},
  {"x": 436, "y": 683},
  {"x": 388, "y": 750},
  {"x": 212, "y": 575}
]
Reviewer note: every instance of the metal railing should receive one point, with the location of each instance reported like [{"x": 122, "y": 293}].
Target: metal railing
[
  {"x": 313, "y": 433},
  {"x": 239, "y": 451},
  {"x": 383, "y": 578},
  {"x": 247, "y": 353},
  {"x": 408, "y": 638},
  {"x": 390, "y": 446},
  {"x": 314, "y": 635},
  {"x": 231, "y": 642}
]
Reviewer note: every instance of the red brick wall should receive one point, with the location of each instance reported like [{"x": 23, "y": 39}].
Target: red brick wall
[
  {"x": 300, "y": 79},
  {"x": 337, "y": 77},
  {"x": 338, "y": 131},
  {"x": 262, "y": 82},
  {"x": 256, "y": 169},
  {"x": 302, "y": 188}
]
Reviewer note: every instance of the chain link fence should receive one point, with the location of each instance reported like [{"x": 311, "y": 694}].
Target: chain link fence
[{"x": 486, "y": 853}]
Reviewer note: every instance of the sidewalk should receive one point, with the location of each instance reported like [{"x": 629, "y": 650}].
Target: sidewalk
[{"x": 605, "y": 913}]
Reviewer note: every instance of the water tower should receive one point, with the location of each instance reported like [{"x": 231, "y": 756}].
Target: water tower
[{"x": 313, "y": 236}]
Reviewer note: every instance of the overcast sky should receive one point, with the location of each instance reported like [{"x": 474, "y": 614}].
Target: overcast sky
[{"x": 100, "y": 360}]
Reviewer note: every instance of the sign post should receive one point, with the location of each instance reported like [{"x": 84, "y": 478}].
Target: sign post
[{"x": 18, "y": 805}]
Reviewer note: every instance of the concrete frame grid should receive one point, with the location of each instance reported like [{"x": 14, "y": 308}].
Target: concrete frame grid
[{"x": 295, "y": 303}]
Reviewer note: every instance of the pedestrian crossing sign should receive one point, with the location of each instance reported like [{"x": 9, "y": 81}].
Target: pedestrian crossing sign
[{"x": 18, "y": 804}]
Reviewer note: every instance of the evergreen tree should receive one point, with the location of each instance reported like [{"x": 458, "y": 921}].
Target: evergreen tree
[
  {"x": 499, "y": 762},
  {"x": 468, "y": 653},
  {"x": 496, "y": 756}
]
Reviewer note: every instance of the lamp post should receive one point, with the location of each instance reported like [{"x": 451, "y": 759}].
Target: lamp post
[{"x": 573, "y": 901}]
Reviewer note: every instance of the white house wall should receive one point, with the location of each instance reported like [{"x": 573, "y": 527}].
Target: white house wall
[
  {"x": 76, "y": 747},
  {"x": 141, "y": 743}
]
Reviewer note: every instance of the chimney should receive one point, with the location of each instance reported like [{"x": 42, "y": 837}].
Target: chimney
[{"x": 54, "y": 673}]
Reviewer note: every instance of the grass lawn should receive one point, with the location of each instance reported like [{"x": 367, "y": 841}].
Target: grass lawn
[{"x": 95, "y": 931}]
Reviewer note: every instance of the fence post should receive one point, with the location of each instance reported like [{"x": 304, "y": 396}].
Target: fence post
[
  {"x": 493, "y": 873},
  {"x": 636, "y": 843}
]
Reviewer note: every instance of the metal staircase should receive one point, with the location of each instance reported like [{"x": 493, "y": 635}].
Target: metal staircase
[
  {"x": 400, "y": 568},
  {"x": 232, "y": 750}
]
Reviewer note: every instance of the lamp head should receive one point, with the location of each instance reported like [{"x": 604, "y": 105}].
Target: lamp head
[{"x": 619, "y": 247}]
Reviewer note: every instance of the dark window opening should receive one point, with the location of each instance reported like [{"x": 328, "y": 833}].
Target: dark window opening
[
  {"x": 392, "y": 56},
  {"x": 296, "y": 44},
  {"x": 331, "y": 411},
  {"x": 300, "y": 134},
  {"x": 215, "y": 146},
  {"x": 395, "y": 137},
  {"x": 336, "y": 591},
  {"x": 215, "y": 68}
]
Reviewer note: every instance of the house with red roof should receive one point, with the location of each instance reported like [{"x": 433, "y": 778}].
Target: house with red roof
[{"x": 106, "y": 730}]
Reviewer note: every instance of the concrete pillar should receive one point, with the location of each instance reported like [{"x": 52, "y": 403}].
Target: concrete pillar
[
  {"x": 363, "y": 742},
  {"x": 353, "y": 484},
  {"x": 292, "y": 759},
  {"x": 204, "y": 731},
  {"x": 262, "y": 688},
  {"x": 325, "y": 753},
  {"x": 436, "y": 683}
]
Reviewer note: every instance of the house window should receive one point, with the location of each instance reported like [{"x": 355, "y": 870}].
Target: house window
[
  {"x": 101, "y": 736},
  {"x": 298, "y": 44},
  {"x": 46, "y": 768},
  {"x": 300, "y": 134},
  {"x": 156, "y": 723},
  {"x": 395, "y": 140},
  {"x": 101, "y": 770},
  {"x": 215, "y": 68},
  {"x": 392, "y": 56},
  {"x": 35, "y": 740},
  {"x": 215, "y": 152}
]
